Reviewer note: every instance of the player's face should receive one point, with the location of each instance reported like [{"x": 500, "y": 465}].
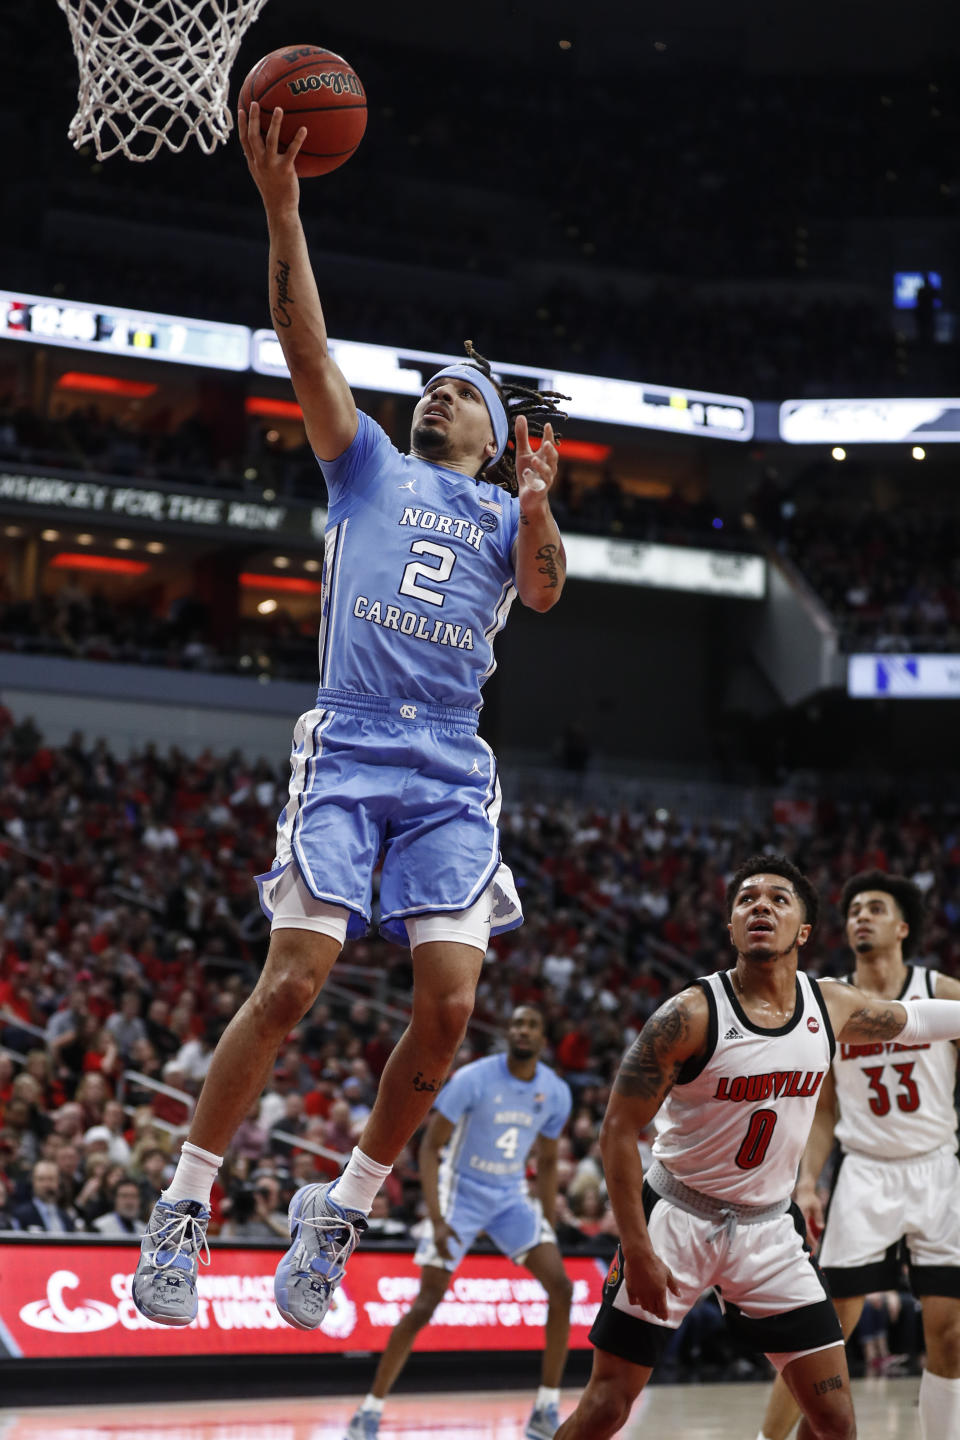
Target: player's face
[
  {"x": 874, "y": 923},
  {"x": 525, "y": 1034},
  {"x": 451, "y": 423},
  {"x": 767, "y": 920}
]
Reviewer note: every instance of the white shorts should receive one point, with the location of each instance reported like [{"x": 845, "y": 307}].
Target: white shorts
[
  {"x": 769, "y": 1286},
  {"x": 294, "y": 908},
  {"x": 876, "y": 1204}
]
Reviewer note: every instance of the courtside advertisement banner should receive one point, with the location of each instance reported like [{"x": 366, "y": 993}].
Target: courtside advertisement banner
[
  {"x": 903, "y": 677},
  {"x": 69, "y": 1301}
]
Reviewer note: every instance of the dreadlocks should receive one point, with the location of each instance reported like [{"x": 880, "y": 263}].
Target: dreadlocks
[{"x": 539, "y": 406}]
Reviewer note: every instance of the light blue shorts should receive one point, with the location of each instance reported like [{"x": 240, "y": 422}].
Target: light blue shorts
[
  {"x": 372, "y": 775},
  {"x": 513, "y": 1221}
]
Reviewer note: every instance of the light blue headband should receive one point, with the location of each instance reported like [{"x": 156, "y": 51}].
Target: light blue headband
[{"x": 495, "y": 406}]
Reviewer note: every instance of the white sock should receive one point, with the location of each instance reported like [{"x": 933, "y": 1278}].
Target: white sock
[
  {"x": 545, "y": 1397},
  {"x": 371, "y": 1402},
  {"x": 939, "y": 1407},
  {"x": 195, "y": 1174},
  {"x": 360, "y": 1181}
]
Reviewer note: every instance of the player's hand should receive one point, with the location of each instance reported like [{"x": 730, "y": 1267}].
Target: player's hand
[
  {"x": 442, "y": 1235},
  {"x": 811, "y": 1208},
  {"x": 272, "y": 169},
  {"x": 535, "y": 472},
  {"x": 648, "y": 1280}
]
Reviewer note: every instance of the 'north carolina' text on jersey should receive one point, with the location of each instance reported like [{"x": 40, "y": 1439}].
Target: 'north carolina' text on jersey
[
  {"x": 497, "y": 1118},
  {"x": 735, "y": 1124},
  {"x": 418, "y": 574},
  {"x": 896, "y": 1101}
]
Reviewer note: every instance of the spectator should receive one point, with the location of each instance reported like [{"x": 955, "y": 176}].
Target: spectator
[
  {"x": 127, "y": 1215},
  {"x": 43, "y": 1211}
]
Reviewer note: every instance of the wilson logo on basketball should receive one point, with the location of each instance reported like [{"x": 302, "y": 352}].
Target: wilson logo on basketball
[
  {"x": 335, "y": 81},
  {"x": 813, "y": 1025}
]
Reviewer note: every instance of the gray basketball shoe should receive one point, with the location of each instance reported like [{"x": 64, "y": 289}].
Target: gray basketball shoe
[
  {"x": 365, "y": 1425},
  {"x": 324, "y": 1235},
  {"x": 165, "y": 1283}
]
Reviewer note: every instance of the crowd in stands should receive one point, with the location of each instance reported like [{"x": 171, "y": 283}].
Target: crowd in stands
[
  {"x": 130, "y": 934},
  {"x": 887, "y": 567}
]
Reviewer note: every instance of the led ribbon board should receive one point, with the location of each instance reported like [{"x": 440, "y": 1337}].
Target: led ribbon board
[
  {"x": 903, "y": 677},
  {"x": 109, "y": 330},
  {"x": 617, "y": 402},
  {"x": 869, "y": 422}
]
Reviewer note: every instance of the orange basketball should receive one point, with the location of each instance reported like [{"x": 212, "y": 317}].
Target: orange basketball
[{"x": 315, "y": 88}]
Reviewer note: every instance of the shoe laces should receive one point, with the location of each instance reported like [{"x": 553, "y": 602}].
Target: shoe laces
[
  {"x": 327, "y": 1227},
  {"x": 178, "y": 1234}
]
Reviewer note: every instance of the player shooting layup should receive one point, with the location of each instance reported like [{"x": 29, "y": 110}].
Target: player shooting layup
[
  {"x": 733, "y": 1066},
  {"x": 897, "y": 1183},
  {"x": 424, "y": 555}
]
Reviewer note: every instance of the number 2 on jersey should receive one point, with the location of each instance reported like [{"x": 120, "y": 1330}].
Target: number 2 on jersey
[{"x": 417, "y": 570}]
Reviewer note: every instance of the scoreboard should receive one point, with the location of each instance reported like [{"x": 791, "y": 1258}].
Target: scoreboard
[{"x": 108, "y": 329}]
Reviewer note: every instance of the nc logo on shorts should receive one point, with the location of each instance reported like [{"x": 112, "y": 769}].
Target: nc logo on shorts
[{"x": 408, "y": 712}]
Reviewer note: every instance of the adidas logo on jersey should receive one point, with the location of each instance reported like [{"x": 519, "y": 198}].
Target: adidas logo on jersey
[{"x": 733, "y": 1034}]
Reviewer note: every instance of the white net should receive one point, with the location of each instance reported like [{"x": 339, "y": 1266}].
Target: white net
[{"x": 154, "y": 72}]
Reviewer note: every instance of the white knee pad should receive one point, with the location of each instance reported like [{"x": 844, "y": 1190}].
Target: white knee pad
[
  {"x": 462, "y": 927},
  {"x": 294, "y": 908}
]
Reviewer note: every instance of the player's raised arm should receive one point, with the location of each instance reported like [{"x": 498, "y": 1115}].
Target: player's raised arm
[
  {"x": 329, "y": 412},
  {"x": 541, "y": 566},
  {"x": 672, "y": 1035},
  {"x": 858, "y": 1018}
]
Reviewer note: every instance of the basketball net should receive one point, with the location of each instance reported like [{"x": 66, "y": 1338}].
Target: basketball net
[{"x": 154, "y": 72}]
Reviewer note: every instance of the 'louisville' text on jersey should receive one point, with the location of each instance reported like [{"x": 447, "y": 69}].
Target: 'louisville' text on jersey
[
  {"x": 877, "y": 1047},
  {"x": 801, "y": 1083}
]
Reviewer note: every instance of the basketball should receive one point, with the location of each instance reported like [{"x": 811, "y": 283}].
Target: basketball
[{"x": 315, "y": 88}]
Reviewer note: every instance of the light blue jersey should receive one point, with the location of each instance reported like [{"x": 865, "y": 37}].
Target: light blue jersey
[
  {"x": 418, "y": 575},
  {"x": 497, "y": 1119}
]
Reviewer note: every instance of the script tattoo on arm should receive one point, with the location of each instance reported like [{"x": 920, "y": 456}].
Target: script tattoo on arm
[
  {"x": 280, "y": 311},
  {"x": 876, "y": 1025},
  {"x": 647, "y": 1071},
  {"x": 430, "y": 1085},
  {"x": 553, "y": 564}
]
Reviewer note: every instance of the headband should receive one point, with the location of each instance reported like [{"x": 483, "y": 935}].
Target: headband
[{"x": 491, "y": 398}]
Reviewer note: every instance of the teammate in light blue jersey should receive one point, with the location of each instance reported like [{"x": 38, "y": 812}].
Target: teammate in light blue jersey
[
  {"x": 424, "y": 554},
  {"x": 486, "y": 1121}
]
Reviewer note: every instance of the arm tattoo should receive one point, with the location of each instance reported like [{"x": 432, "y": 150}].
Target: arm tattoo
[
  {"x": 645, "y": 1071},
  {"x": 553, "y": 564},
  {"x": 280, "y": 311},
  {"x": 420, "y": 1084},
  {"x": 876, "y": 1026}
]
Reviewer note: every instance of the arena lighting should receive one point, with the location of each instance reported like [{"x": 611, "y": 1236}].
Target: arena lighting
[
  {"x": 275, "y": 409},
  {"x": 918, "y": 452},
  {"x": 105, "y": 385},
  {"x": 838, "y": 452},
  {"x": 106, "y": 564},
  {"x": 250, "y": 580},
  {"x": 267, "y": 607}
]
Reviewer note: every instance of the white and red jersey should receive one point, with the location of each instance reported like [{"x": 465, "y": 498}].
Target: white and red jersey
[
  {"x": 735, "y": 1124},
  {"x": 896, "y": 1101}
]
